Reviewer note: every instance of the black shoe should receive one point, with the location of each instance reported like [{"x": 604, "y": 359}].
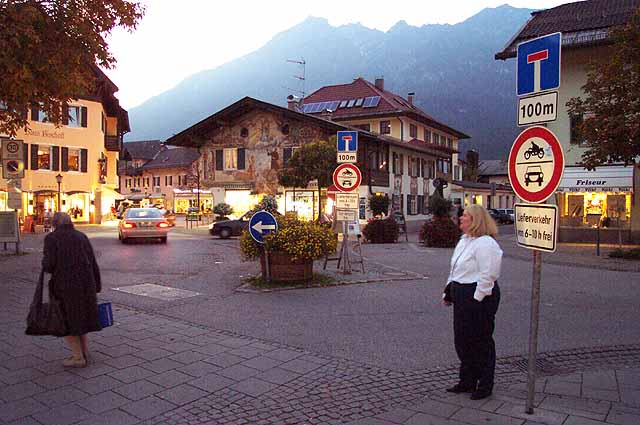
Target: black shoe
[
  {"x": 457, "y": 389},
  {"x": 480, "y": 394}
]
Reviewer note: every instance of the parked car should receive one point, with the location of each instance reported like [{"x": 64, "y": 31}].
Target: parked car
[
  {"x": 500, "y": 217},
  {"x": 169, "y": 216},
  {"x": 143, "y": 223},
  {"x": 509, "y": 212},
  {"x": 227, "y": 228}
]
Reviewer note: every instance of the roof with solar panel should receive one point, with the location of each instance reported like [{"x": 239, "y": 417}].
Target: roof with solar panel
[{"x": 363, "y": 99}]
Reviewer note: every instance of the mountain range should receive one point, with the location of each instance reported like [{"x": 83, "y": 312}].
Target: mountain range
[{"x": 451, "y": 68}]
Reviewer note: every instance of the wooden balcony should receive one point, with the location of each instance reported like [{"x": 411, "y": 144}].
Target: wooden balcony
[
  {"x": 378, "y": 178},
  {"x": 112, "y": 143}
]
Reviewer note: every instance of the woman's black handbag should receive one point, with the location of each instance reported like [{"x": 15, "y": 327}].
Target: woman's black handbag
[{"x": 45, "y": 318}]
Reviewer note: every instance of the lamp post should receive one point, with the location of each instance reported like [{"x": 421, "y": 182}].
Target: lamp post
[{"x": 59, "y": 181}]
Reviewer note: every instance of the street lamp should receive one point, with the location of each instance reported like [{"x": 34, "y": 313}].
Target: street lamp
[{"x": 59, "y": 181}]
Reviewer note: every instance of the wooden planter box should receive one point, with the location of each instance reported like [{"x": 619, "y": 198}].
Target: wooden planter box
[{"x": 283, "y": 269}]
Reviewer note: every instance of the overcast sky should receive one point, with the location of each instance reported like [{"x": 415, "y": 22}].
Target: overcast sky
[{"x": 177, "y": 39}]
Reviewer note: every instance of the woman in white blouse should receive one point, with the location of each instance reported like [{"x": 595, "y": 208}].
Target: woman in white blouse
[{"x": 473, "y": 290}]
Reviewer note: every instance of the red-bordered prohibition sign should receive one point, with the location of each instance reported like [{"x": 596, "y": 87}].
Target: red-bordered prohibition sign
[
  {"x": 347, "y": 177},
  {"x": 536, "y": 164}
]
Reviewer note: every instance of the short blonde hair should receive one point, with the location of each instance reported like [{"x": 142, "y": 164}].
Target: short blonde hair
[
  {"x": 60, "y": 218},
  {"x": 481, "y": 222}
]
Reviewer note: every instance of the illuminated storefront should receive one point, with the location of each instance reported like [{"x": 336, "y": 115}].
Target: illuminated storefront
[
  {"x": 185, "y": 199},
  {"x": 588, "y": 198}
]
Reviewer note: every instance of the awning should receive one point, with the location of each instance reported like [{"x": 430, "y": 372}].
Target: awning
[
  {"x": 614, "y": 178},
  {"x": 110, "y": 193}
]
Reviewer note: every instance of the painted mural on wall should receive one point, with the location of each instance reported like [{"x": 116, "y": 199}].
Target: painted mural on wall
[{"x": 264, "y": 135}]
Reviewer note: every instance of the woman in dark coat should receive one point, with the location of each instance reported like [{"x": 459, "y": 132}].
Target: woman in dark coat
[{"x": 75, "y": 281}]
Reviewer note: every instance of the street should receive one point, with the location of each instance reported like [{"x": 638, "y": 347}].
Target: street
[{"x": 375, "y": 346}]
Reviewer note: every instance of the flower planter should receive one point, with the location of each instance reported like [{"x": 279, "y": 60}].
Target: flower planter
[{"x": 283, "y": 269}]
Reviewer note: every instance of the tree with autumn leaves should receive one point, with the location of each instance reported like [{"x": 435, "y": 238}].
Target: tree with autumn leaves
[
  {"x": 49, "y": 51},
  {"x": 611, "y": 108}
]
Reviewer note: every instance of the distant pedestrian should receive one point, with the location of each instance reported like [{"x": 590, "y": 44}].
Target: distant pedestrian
[
  {"x": 75, "y": 281},
  {"x": 473, "y": 290}
]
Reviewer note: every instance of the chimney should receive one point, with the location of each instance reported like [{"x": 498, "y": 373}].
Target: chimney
[
  {"x": 410, "y": 96},
  {"x": 380, "y": 83},
  {"x": 292, "y": 103}
]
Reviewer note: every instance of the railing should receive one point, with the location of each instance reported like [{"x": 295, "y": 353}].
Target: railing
[{"x": 112, "y": 143}]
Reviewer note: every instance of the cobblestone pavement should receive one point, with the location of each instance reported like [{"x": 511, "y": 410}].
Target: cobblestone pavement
[{"x": 156, "y": 370}]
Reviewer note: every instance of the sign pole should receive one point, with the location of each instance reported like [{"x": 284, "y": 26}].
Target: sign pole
[
  {"x": 346, "y": 266},
  {"x": 267, "y": 266},
  {"x": 533, "y": 331}
]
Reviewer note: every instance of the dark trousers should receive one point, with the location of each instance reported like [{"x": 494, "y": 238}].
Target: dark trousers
[{"x": 473, "y": 325}]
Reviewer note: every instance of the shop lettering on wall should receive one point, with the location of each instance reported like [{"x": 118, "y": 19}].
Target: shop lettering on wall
[
  {"x": 46, "y": 133},
  {"x": 580, "y": 182}
]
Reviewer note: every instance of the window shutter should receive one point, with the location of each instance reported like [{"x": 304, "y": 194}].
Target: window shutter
[
  {"x": 409, "y": 204},
  {"x": 402, "y": 203},
  {"x": 219, "y": 159},
  {"x": 83, "y": 160},
  {"x": 25, "y": 156},
  {"x": 56, "y": 159},
  {"x": 241, "y": 158},
  {"x": 35, "y": 111},
  {"x": 286, "y": 155},
  {"x": 65, "y": 114},
  {"x": 83, "y": 118},
  {"x": 394, "y": 163},
  {"x": 420, "y": 204},
  {"x": 34, "y": 157},
  {"x": 65, "y": 159}
]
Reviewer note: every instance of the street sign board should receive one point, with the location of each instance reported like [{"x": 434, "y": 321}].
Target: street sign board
[
  {"x": 538, "y": 66},
  {"x": 9, "y": 230},
  {"x": 347, "y": 147},
  {"x": 345, "y": 215},
  {"x": 536, "y": 164},
  {"x": 538, "y": 109},
  {"x": 347, "y": 177},
  {"x": 348, "y": 201},
  {"x": 14, "y": 200},
  {"x": 537, "y": 226},
  {"x": 261, "y": 224},
  {"x": 12, "y": 159}
]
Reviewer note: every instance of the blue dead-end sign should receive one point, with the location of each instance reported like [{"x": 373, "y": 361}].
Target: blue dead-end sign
[
  {"x": 539, "y": 64},
  {"x": 347, "y": 141},
  {"x": 261, "y": 224}
]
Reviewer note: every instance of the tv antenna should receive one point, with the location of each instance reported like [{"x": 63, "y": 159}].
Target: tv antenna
[{"x": 302, "y": 78}]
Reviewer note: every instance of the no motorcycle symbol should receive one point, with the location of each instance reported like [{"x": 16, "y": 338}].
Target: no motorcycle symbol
[{"x": 347, "y": 177}]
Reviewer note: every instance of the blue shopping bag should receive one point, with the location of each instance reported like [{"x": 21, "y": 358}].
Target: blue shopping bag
[{"x": 105, "y": 315}]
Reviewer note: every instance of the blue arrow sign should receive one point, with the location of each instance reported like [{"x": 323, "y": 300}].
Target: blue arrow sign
[
  {"x": 347, "y": 141},
  {"x": 539, "y": 64},
  {"x": 261, "y": 224}
]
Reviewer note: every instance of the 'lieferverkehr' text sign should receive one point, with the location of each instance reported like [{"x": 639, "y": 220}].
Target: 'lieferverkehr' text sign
[{"x": 537, "y": 226}]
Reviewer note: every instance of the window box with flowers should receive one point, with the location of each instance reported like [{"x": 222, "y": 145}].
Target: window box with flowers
[{"x": 292, "y": 249}]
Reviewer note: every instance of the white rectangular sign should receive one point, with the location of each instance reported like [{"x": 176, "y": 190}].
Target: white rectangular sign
[
  {"x": 14, "y": 200},
  {"x": 347, "y": 157},
  {"x": 347, "y": 201},
  {"x": 538, "y": 109},
  {"x": 9, "y": 226},
  {"x": 345, "y": 215},
  {"x": 12, "y": 149},
  {"x": 537, "y": 226}
]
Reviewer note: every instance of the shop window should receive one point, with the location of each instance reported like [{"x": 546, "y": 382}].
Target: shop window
[
  {"x": 420, "y": 204},
  {"x": 427, "y": 135},
  {"x": 574, "y": 135},
  {"x": 385, "y": 127},
  {"x": 413, "y": 131}
]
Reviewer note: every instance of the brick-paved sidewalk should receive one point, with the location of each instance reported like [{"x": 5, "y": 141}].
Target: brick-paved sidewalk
[{"x": 156, "y": 370}]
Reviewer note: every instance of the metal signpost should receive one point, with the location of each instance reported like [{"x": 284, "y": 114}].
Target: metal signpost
[
  {"x": 347, "y": 147},
  {"x": 261, "y": 224},
  {"x": 536, "y": 164}
]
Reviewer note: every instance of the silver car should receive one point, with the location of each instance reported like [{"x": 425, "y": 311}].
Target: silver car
[{"x": 143, "y": 223}]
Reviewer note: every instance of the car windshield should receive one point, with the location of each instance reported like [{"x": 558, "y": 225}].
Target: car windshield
[{"x": 144, "y": 213}]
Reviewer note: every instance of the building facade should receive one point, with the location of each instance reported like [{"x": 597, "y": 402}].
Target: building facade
[
  {"x": 82, "y": 154},
  {"x": 605, "y": 196}
]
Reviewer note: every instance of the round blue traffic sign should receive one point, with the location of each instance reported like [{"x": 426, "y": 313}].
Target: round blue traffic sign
[{"x": 261, "y": 224}]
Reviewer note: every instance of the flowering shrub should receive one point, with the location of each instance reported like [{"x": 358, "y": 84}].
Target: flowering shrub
[
  {"x": 380, "y": 230},
  {"x": 440, "y": 232},
  {"x": 302, "y": 240}
]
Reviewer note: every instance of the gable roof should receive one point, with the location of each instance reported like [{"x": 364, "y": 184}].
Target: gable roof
[
  {"x": 581, "y": 23},
  {"x": 493, "y": 167},
  {"x": 141, "y": 149},
  {"x": 172, "y": 158},
  {"x": 390, "y": 104}
]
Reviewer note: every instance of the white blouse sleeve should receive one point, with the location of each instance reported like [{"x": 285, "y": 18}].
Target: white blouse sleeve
[{"x": 489, "y": 260}]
